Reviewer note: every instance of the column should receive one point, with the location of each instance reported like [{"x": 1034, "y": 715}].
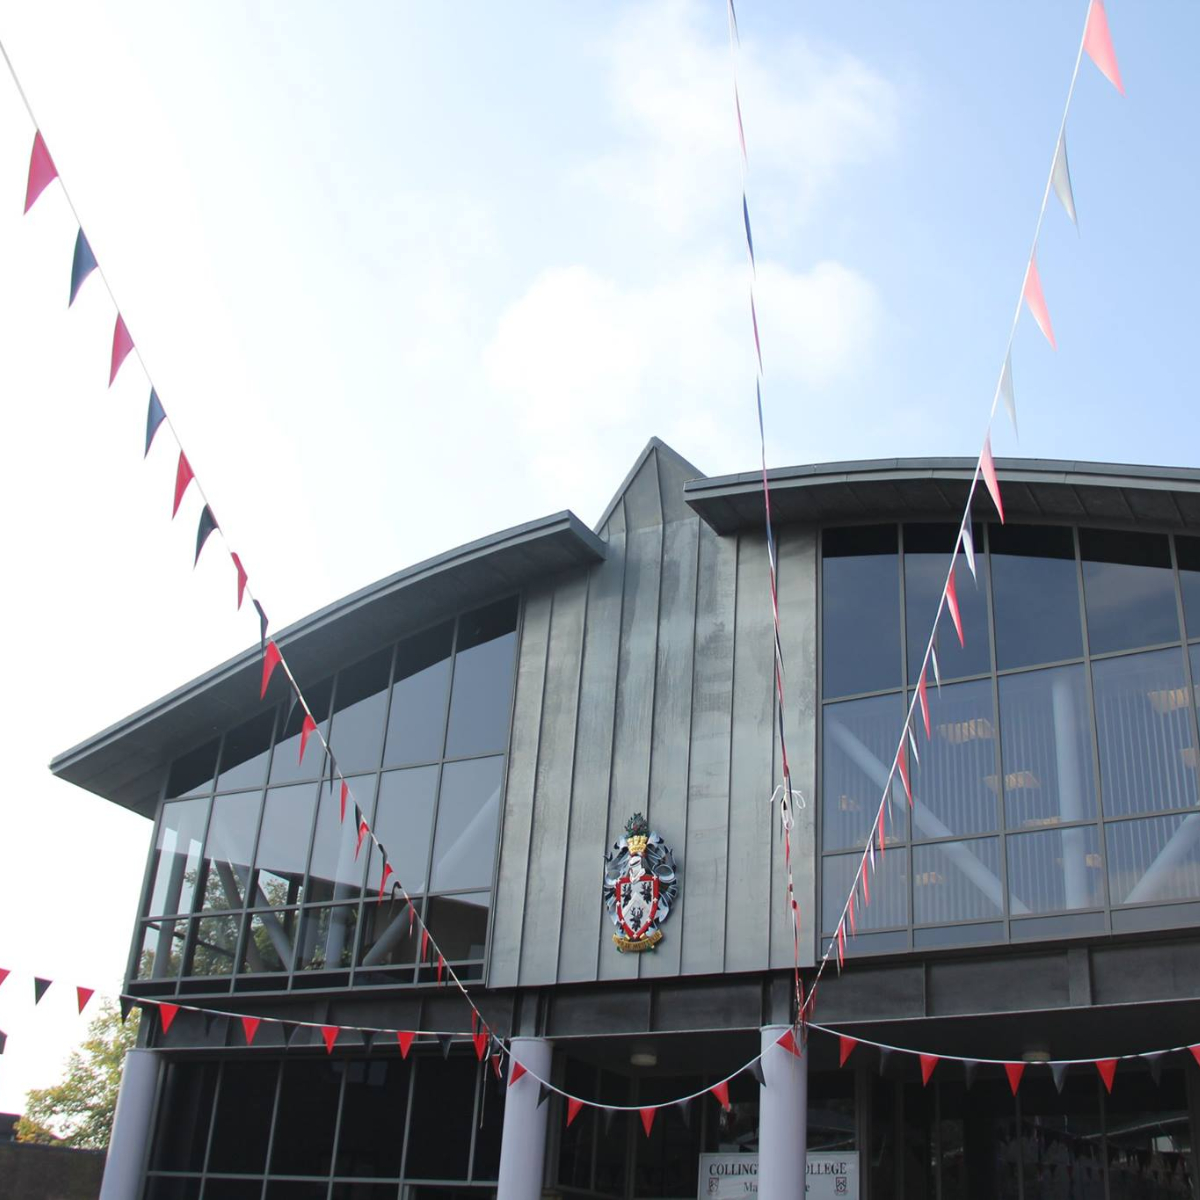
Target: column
[
  {"x": 523, "y": 1148},
  {"x": 782, "y": 1119},
  {"x": 132, "y": 1125}
]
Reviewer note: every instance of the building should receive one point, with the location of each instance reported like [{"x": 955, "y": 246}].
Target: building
[{"x": 506, "y": 707}]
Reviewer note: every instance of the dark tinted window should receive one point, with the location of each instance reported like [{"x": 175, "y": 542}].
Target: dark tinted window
[
  {"x": 184, "y": 1115},
  {"x": 1130, "y": 589},
  {"x": 308, "y": 1104},
  {"x": 283, "y": 845},
  {"x": 1035, "y": 587},
  {"x": 439, "y": 1139},
  {"x": 358, "y": 716},
  {"x": 483, "y": 671},
  {"x": 464, "y": 848},
  {"x": 1187, "y": 555},
  {"x": 459, "y": 924},
  {"x": 245, "y": 753},
  {"x": 416, "y": 719},
  {"x": 860, "y": 592},
  {"x": 245, "y": 1103},
  {"x": 286, "y": 763},
  {"x": 860, "y": 738},
  {"x": 193, "y": 773},
  {"x": 403, "y": 823},
  {"x": 230, "y": 849},
  {"x": 373, "y": 1114}
]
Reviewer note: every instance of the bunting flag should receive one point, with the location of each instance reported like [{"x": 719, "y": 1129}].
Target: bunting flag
[
  {"x": 573, "y": 1108},
  {"x": 923, "y": 700},
  {"x": 721, "y": 1091},
  {"x": 3, "y": 1040},
  {"x": 126, "y": 1008},
  {"x": 787, "y": 1040},
  {"x": 82, "y": 265},
  {"x": 647, "y": 1115},
  {"x": 866, "y": 875},
  {"x": 203, "y": 531},
  {"x": 444, "y": 1041},
  {"x": 841, "y": 944},
  {"x": 902, "y": 767},
  {"x": 345, "y": 793},
  {"x": 4, "y": 974},
  {"x": 262, "y": 623},
  {"x": 850, "y": 914},
  {"x": 290, "y": 1029},
  {"x": 405, "y": 1039},
  {"x": 242, "y": 577},
  {"x": 749, "y": 236},
  {"x": 1014, "y": 1071},
  {"x": 122, "y": 344},
  {"x": 424, "y": 943},
  {"x": 82, "y": 996},
  {"x": 882, "y": 832},
  {"x": 1007, "y": 394},
  {"x": 515, "y": 1072},
  {"x": 933, "y": 662},
  {"x": 1154, "y": 1062},
  {"x": 1107, "y": 1068},
  {"x": 1037, "y": 301},
  {"x": 307, "y": 727},
  {"x": 183, "y": 477},
  {"x": 42, "y": 171},
  {"x": 970, "y": 1068},
  {"x": 1195, "y": 1050},
  {"x": 155, "y": 416},
  {"x": 250, "y": 1028},
  {"x": 1060, "y": 177},
  {"x": 757, "y": 343},
  {"x": 329, "y": 1034},
  {"x": 737, "y": 104},
  {"x": 363, "y": 830},
  {"x": 387, "y": 871},
  {"x": 1059, "y": 1072},
  {"x": 543, "y": 1094},
  {"x": 496, "y": 1069},
  {"x": 756, "y": 1069},
  {"x": 1097, "y": 41},
  {"x": 912, "y": 745},
  {"x": 480, "y": 1041},
  {"x": 987, "y": 466},
  {"x": 166, "y": 1015},
  {"x": 951, "y": 595},
  {"x": 40, "y": 987},
  {"x": 928, "y": 1063},
  {"x": 968, "y": 545},
  {"x": 685, "y": 1111},
  {"x": 368, "y": 1038},
  {"x": 885, "y": 1056},
  {"x": 271, "y": 659},
  {"x": 441, "y": 963},
  {"x": 845, "y": 1048}
]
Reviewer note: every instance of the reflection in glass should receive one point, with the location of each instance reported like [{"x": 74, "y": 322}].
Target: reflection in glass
[
  {"x": 245, "y": 1102},
  {"x": 335, "y": 871},
  {"x": 403, "y": 822},
  {"x": 1056, "y": 869},
  {"x": 1045, "y": 730},
  {"x": 214, "y": 946},
  {"x": 889, "y": 890},
  {"x": 860, "y": 739},
  {"x": 245, "y": 753},
  {"x": 464, "y": 847},
  {"x": 229, "y": 849},
  {"x": 357, "y": 735},
  {"x": 1144, "y": 722},
  {"x": 1154, "y": 859},
  {"x": 283, "y": 845},
  {"x": 1061, "y": 1143},
  {"x": 308, "y": 1105},
  {"x": 1130, "y": 589},
  {"x": 1187, "y": 556},
  {"x": 926, "y": 560},
  {"x": 184, "y": 1115},
  {"x": 957, "y": 881},
  {"x": 439, "y": 1137},
  {"x": 390, "y": 934},
  {"x": 459, "y": 924},
  {"x": 327, "y": 938},
  {"x": 161, "y": 949},
  {"x": 1149, "y": 1137},
  {"x": 417, "y": 716},
  {"x": 193, "y": 773},
  {"x": 483, "y": 671},
  {"x": 286, "y": 763},
  {"x": 177, "y": 856},
  {"x": 860, "y": 605},
  {"x": 374, "y": 1108},
  {"x": 172, "y": 1187},
  {"x": 271, "y": 942}
]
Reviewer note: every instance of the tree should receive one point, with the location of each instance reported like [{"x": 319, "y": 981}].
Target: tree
[{"x": 79, "y": 1110}]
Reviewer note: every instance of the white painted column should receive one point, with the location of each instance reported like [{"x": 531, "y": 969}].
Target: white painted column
[
  {"x": 523, "y": 1148},
  {"x": 132, "y": 1125},
  {"x": 782, "y": 1119}
]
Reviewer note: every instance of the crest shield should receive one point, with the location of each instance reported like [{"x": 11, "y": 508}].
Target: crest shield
[{"x": 641, "y": 885}]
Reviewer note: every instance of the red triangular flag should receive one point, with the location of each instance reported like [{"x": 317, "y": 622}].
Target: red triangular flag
[
  {"x": 83, "y": 995},
  {"x": 850, "y": 912},
  {"x": 363, "y": 829},
  {"x": 1195, "y": 1053},
  {"x": 5, "y": 972},
  {"x": 788, "y": 1041},
  {"x": 573, "y": 1107},
  {"x": 242, "y": 578},
  {"x": 271, "y": 659},
  {"x": 250, "y": 1028},
  {"x": 928, "y": 1062},
  {"x": 1014, "y": 1071},
  {"x": 515, "y": 1072},
  {"x": 1097, "y": 41},
  {"x": 345, "y": 793},
  {"x": 841, "y": 944},
  {"x": 647, "y": 1115},
  {"x": 183, "y": 476},
  {"x": 167, "y": 1014},
  {"x": 952, "y": 604},
  {"x": 387, "y": 870},
  {"x": 882, "y": 832},
  {"x": 923, "y": 698},
  {"x": 721, "y": 1091},
  {"x": 1037, "y": 300},
  {"x": 1107, "y": 1068},
  {"x": 845, "y": 1048},
  {"x": 122, "y": 344},
  {"x": 495, "y": 1061},
  {"x": 866, "y": 878},
  {"x": 441, "y": 964},
  {"x": 405, "y": 1038},
  {"x": 987, "y": 467},
  {"x": 329, "y": 1033},
  {"x": 902, "y": 767},
  {"x": 424, "y": 943},
  {"x": 41, "y": 171},
  {"x": 307, "y": 726},
  {"x": 481, "y": 1040}
]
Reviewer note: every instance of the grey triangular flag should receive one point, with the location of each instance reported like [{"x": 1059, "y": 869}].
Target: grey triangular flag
[
  {"x": 3, "y": 1039},
  {"x": 289, "y": 1029},
  {"x": 39, "y": 988},
  {"x": 543, "y": 1094},
  {"x": 884, "y": 1056},
  {"x": 755, "y": 1069},
  {"x": 83, "y": 264},
  {"x": 609, "y": 1113},
  {"x": 685, "y": 1111},
  {"x": 1061, "y": 179},
  {"x": 126, "y": 1006},
  {"x": 970, "y": 1069},
  {"x": 444, "y": 1040},
  {"x": 1006, "y": 391},
  {"x": 1154, "y": 1062},
  {"x": 368, "y": 1037},
  {"x": 1059, "y": 1071}
]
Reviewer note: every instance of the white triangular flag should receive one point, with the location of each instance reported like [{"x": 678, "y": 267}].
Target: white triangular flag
[
  {"x": 968, "y": 544},
  {"x": 912, "y": 741},
  {"x": 1061, "y": 179},
  {"x": 937, "y": 675},
  {"x": 1006, "y": 391}
]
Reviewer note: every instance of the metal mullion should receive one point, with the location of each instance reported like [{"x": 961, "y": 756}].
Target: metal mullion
[
  {"x": 1187, "y": 664},
  {"x": 147, "y": 884},
  {"x": 1042, "y": 666},
  {"x": 274, "y": 1120},
  {"x": 408, "y": 1113},
  {"x": 337, "y": 1125},
  {"x": 906, "y": 845},
  {"x": 476, "y": 1116}
]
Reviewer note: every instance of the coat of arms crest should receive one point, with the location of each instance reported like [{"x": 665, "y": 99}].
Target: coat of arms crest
[{"x": 640, "y": 885}]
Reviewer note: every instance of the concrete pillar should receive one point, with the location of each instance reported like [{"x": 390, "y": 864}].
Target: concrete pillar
[
  {"x": 782, "y": 1119},
  {"x": 523, "y": 1148},
  {"x": 132, "y": 1125}
]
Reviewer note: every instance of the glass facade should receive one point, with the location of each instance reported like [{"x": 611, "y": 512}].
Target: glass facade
[
  {"x": 1057, "y": 791},
  {"x": 257, "y": 880}
]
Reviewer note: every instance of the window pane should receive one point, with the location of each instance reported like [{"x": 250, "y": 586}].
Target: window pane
[
  {"x": 1155, "y": 859},
  {"x": 244, "y": 1106},
  {"x": 1144, "y": 721},
  {"x": 1130, "y": 589},
  {"x": 889, "y": 890},
  {"x": 172, "y": 1187},
  {"x": 308, "y": 1105},
  {"x": 483, "y": 671},
  {"x": 957, "y": 881},
  {"x": 1036, "y": 591},
  {"x": 926, "y": 559},
  {"x": 183, "y": 1116},
  {"x": 1046, "y": 735},
  {"x": 390, "y": 934},
  {"x": 1187, "y": 555},
  {"x": 283, "y": 845},
  {"x": 214, "y": 945},
  {"x": 161, "y": 949},
  {"x": 464, "y": 849},
  {"x": 233, "y": 1189},
  {"x": 1054, "y": 870},
  {"x": 459, "y": 923},
  {"x": 177, "y": 856},
  {"x": 403, "y": 823},
  {"x": 327, "y": 938},
  {"x": 373, "y": 1112},
  {"x": 859, "y": 739},
  {"x": 439, "y": 1136},
  {"x": 357, "y": 738},
  {"x": 417, "y": 716},
  {"x": 270, "y": 942},
  {"x": 1149, "y": 1137},
  {"x": 229, "y": 850},
  {"x": 286, "y": 763},
  {"x": 193, "y": 773},
  {"x": 860, "y": 606},
  {"x": 954, "y": 784},
  {"x": 245, "y": 753},
  {"x": 336, "y": 870}
]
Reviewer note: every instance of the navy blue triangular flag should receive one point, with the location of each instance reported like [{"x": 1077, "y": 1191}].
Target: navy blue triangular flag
[
  {"x": 82, "y": 265},
  {"x": 39, "y": 988},
  {"x": 543, "y": 1094},
  {"x": 289, "y": 1029},
  {"x": 155, "y": 416},
  {"x": 207, "y": 524},
  {"x": 262, "y": 625},
  {"x": 755, "y": 1069},
  {"x": 746, "y": 218},
  {"x": 444, "y": 1041},
  {"x": 3, "y": 1039},
  {"x": 126, "y": 1007},
  {"x": 368, "y": 1037}
]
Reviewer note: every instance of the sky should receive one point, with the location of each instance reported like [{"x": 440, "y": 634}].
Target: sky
[{"x": 405, "y": 275}]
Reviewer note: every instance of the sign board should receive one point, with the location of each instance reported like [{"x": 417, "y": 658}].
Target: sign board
[{"x": 829, "y": 1176}]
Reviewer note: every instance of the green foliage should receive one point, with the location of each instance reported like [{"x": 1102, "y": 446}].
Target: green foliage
[{"x": 79, "y": 1110}]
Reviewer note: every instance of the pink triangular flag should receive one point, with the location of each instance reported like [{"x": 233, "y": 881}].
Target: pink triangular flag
[
  {"x": 183, "y": 476},
  {"x": 928, "y": 1063},
  {"x": 1037, "y": 301},
  {"x": 952, "y": 605},
  {"x": 923, "y": 700},
  {"x": 1097, "y": 41},
  {"x": 987, "y": 467},
  {"x": 42, "y": 170},
  {"x": 83, "y": 995},
  {"x": 242, "y": 578},
  {"x": 307, "y": 726},
  {"x": 902, "y": 767},
  {"x": 122, "y": 344},
  {"x": 1107, "y": 1068}
]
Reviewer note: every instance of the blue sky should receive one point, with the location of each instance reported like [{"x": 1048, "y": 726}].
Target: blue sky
[{"x": 406, "y": 274}]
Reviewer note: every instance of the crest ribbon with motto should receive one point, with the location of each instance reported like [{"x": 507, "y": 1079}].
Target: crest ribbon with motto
[{"x": 640, "y": 885}]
